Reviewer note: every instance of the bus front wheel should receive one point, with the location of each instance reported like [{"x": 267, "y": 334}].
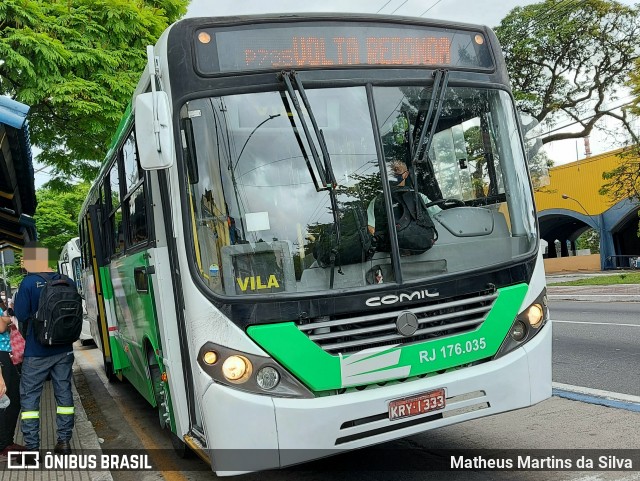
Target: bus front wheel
[{"x": 180, "y": 447}]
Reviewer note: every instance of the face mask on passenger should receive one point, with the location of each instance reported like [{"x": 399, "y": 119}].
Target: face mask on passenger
[{"x": 397, "y": 178}]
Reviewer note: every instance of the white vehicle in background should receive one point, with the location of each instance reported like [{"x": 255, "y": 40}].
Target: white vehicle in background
[{"x": 70, "y": 264}]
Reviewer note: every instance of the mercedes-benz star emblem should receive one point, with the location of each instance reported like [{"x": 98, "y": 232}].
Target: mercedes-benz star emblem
[{"x": 407, "y": 323}]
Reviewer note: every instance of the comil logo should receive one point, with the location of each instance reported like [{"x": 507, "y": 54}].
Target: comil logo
[
  {"x": 23, "y": 460},
  {"x": 393, "y": 299}
]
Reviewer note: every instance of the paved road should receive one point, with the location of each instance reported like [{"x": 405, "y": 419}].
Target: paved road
[
  {"x": 597, "y": 345},
  {"x": 124, "y": 420}
]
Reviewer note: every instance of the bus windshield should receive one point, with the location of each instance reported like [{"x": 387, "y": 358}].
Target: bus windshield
[{"x": 264, "y": 222}]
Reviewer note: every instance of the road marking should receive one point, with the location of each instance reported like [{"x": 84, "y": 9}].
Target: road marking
[
  {"x": 597, "y": 323},
  {"x": 168, "y": 469},
  {"x": 570, "y": 295},
  {"x": 616, "y": 400}
]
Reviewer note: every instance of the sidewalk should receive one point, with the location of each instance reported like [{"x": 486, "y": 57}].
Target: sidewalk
[
  {"x": 84, "y": 438},
  {"x": 610, "y": 293}
]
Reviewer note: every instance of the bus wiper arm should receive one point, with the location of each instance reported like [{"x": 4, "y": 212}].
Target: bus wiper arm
[
  {"x": 287, "y": 108},
  {"x": 294, "y": 99},
  {"x": 418, "y": 152},
  {"x": 328, "y": 167},
  {"x": 439, "y": 92},
  {"x": 327, "y": 176}
]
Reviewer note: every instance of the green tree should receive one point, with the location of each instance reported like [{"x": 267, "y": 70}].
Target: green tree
[
  {"x": 569, "y": 59},
  {"x": 76, "y": 63},
  {"x": 635, "y": 109},
  {"x": 589, "y": 239},
  {"x": 57, "y": 215},
  {"x": 634, "y": 83},
  {"x": 14, "y": 271}
]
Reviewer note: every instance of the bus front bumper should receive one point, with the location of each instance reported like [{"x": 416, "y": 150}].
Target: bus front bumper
[{"x": 248, "y": 432}]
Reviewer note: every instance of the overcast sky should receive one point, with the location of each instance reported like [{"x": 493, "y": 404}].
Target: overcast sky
[
  {"x": 470, "y": 11},
  {"x": 489, "y": 12}
]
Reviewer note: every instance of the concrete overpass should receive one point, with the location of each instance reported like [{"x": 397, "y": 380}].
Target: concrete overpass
[{"x": 571, "y": 205}]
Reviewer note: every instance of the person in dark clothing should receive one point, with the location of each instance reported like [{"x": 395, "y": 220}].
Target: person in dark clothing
[
  {"x": 41, "y": 362},
  {"x": 9, "y": 385}
]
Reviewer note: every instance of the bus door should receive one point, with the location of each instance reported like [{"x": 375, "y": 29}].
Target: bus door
[
  {"x": 134, "y": 303},
  {"x": 96, "y": 288}
]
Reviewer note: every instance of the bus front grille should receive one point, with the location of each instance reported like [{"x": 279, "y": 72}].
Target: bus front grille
[{"x": 444, "y": 317}]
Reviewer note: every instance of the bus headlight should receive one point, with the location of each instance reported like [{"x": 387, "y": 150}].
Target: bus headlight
[
  {"x": 526, "y": 325},
  {"x": 250, "y": 373},
  {"x": 210, "y": 357},
  {"x": 267, "y": 378},
  {"x": 534, "y": 315},
  {"x": 236, "y": 369},
  {"x": 518, "y": 331}
]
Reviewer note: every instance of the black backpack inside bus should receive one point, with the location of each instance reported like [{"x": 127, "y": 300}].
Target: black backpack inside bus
[
  {"x": 414, "y": 227},
  {"x": 356, "y": 243}
]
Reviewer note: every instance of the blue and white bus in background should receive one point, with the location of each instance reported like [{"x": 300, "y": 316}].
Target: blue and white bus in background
[{"x": 70, "y": 264}]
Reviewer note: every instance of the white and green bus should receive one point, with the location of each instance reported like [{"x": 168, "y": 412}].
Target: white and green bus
[{"x": 240, "y": 265}]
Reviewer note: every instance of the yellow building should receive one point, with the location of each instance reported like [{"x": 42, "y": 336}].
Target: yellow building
[{"x": 571, "y": 204}]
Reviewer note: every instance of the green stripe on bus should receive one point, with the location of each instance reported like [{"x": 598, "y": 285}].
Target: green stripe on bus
[
  {"x": 105, "y": 281},
  {"x": 322, "y": 371}
]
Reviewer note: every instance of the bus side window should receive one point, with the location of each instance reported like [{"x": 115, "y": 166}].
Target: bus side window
[
  {"x": 84, "y": 241},
  {"x": 115, "y": 223},
  {"x": 134, "y": 200}
]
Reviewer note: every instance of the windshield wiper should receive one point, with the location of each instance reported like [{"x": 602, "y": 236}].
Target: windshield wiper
[
  {"x": 325, "y": 172},
  {"x": 305, "y": 156},
  {"x": 292, "y": 82},
  {"x": 418, "y": 151},
  {"x": 439, "y": 92}
]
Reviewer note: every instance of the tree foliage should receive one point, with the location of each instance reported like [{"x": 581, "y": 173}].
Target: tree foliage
[
  {"x": 568, "y": 58},
  {"x": 623, "y": 182},
  {"x": 589, "y": 239},
  {"x": 634, "y": 83},
  {"x": 76, "y": 63},
  {"x": 57, "y": 215}
]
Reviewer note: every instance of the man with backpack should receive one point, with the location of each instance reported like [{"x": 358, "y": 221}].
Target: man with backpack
[{"x": 50, "y": 316}]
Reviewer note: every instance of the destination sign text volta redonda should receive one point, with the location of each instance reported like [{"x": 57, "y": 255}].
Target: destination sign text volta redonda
[
  {"x": 338, "y": 46},
  {"x": 312, "y": 52}
]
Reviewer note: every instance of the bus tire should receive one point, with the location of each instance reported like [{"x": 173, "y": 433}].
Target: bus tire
[
  {"x": 111, "y": 375},
  {"x": 180, "y": 447},
  {"x": 156, "y": 383}
]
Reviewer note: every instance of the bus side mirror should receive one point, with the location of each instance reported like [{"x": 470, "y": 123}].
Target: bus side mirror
[{"x": 155, "y": 136}]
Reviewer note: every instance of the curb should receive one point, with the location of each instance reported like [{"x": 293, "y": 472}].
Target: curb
[
  {"x": 610, "y": 399},
  {"x": 85, "y": 431}
]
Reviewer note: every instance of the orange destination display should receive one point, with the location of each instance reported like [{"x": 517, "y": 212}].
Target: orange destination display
[{"x": 326, "y": 45}]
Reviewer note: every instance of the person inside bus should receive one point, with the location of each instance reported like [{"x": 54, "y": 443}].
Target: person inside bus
[{"x": 399, "y": 174}]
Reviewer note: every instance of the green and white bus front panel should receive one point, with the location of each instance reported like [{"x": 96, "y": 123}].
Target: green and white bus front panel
[
  {"x": 321, "y": 371},
  {"x": 293, "y": 430},
  {"x": 289, "y": 431}
]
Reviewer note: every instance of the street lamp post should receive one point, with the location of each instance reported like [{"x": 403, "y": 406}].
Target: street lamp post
[
  {"x": 232, "y": 168},
  {"x": 565, "y": 196},
  {"x": 252, "y": 132}
]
